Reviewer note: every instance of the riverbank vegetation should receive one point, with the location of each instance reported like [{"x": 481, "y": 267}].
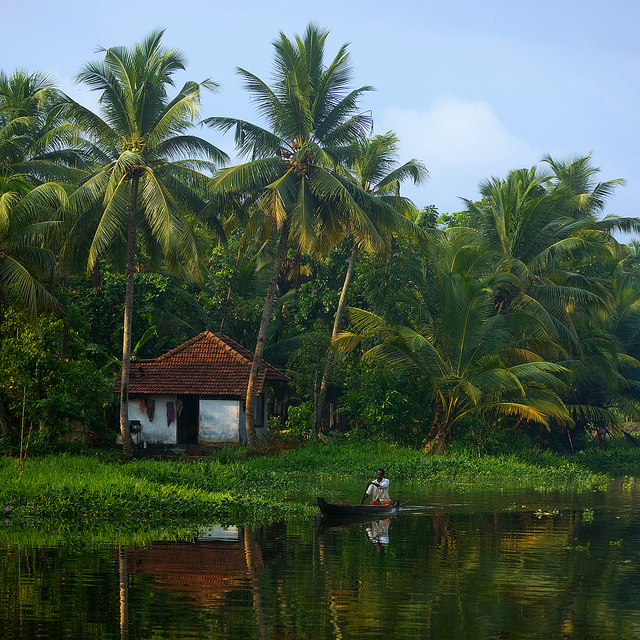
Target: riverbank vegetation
[
  {"x": 92, "y": 492},
  {"x": 507, "y": 327}
]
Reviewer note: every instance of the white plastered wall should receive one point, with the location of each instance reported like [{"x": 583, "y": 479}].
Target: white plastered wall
[{"x": 155, "y": 431}]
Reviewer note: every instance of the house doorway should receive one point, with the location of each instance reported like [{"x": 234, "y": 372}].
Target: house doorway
[{"x": 188, "y": 416}]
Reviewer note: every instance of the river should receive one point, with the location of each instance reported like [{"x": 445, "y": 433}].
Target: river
[{"x": 462, "y": 562}]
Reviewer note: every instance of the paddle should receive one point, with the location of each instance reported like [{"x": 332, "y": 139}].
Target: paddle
[{"x": 365, "y": 493}]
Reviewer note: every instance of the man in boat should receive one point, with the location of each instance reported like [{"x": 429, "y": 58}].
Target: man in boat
[{"x": 378, "y": 489}]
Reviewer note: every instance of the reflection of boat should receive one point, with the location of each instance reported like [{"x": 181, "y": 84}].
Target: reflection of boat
[
  {"x": 342, "y": 523},
  {"x": 345, "y": 510}
]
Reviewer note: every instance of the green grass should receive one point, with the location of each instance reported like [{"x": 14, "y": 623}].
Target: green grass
[
  {"x": 123, "y": 500},
  {"x": 359, "y": 462}
]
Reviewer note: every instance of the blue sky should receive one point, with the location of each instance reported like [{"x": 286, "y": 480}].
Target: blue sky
[{"x": 473, "y": 89}]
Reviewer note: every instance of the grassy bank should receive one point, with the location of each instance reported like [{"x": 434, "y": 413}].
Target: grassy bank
[{"x": 234, "y": 487}]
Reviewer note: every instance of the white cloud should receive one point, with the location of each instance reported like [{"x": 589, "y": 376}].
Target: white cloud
[{"x": 461, "y": 142}]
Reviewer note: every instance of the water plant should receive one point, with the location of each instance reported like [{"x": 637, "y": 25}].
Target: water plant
[{"x": 231, "y": 487}]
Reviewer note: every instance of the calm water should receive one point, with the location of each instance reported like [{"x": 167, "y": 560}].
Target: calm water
[{"x": 463, "y": 563}]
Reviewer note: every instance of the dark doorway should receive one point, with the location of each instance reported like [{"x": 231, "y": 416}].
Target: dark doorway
[{"x": 187, "y": 410}]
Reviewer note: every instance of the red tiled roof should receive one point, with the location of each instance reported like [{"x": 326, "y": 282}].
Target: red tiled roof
[
  {"x": 211, "y": 364},
  {"x": 205, "y": 570}
]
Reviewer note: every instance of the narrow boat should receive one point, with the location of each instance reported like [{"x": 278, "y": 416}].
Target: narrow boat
[{"x": 340, "y": 510}]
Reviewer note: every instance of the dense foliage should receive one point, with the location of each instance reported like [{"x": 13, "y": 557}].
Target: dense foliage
[{"x": 514, "y": 323}]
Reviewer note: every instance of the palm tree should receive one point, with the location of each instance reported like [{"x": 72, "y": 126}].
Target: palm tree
[
  {"x": 149, "y": 184},
  {"x": 375, "y": 170},
  {"x": 311, "y": 117},
  {"x": 534, "y": 229},
  {"x": 24, "y": 227},
  {"x": 37, "y": 140},
  {"x": 606, "y": 367},
  {"x": 459, "y": 347},
  {"x": 577, "y": 177}
]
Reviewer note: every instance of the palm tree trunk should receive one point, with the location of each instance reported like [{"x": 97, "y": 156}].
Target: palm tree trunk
[
  {"x": 127, "y": 440},
  {"x": 262, "y": 332},
  {"x": 96, "y": 277},
  {"x": 439, "y": 436},
  {"x": 231, "y": 283},
  {"x": 328, "y": 367}
]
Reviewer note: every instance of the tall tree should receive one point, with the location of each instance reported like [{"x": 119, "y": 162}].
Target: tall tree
[
  {"x": 37, "y": 139},
  {"x": 150, "y": 185},
  {"x": 374, "y": 169},
  {"x": 578, "y": 178},
  {"x": 533, "y": 228},
  {"x": 26, "y": 220},
  {"x": 311, "y": 118},
  {"x": 606, "y": 368},
  {"x": 454, "y": 342}
]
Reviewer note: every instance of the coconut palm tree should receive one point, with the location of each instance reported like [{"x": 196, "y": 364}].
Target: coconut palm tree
[
  {"x": 149, "y": 185},
  {"x": 462, "y": 350},
  {"x": 577, "y": 177},
  {"x": 606, "y": 368},
  {"x": 26, "y": 214},
  {"x": 311, "y": 118},
  {"x": 374, "y": 169},
  {"x": 534, "y": 229},
  {"x": 26, "y": 219},
  {"x": 37, "y": 139}
]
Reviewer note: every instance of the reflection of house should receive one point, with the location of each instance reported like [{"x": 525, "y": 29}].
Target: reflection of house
[
  {"x": 209, "y": 568},
  {"x": 204, "y": 570},
  {"x": 195, "y": 394}
]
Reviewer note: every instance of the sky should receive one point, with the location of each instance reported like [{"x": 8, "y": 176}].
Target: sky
[{"x": 473, "y": 89}]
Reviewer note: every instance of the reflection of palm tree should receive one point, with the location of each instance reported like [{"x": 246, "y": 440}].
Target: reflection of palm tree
[
  {"x": 250, "y": 550},
  {"x": 124, "y": 593},
  {"x": 444, "y": 530},
  {"x": 328, "y": 587}
]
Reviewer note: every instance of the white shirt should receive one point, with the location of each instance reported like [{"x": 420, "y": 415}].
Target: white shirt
[
  {"x": 379, "y": 490},
  {"x": 378, "y": 531}
]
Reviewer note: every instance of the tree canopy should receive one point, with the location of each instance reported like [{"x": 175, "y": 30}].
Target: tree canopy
[{"x": 517, "y": 315}]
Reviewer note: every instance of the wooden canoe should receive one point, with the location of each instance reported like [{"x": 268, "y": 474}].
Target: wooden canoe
[{"x": 348, "y": 510}]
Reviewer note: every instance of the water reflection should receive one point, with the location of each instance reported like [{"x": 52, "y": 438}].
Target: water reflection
[
  {"x": 375, "y": 529},
  {"x": 203, "y": 573},
  {"x": 525, "y": 565},
  {"x": 378, "y": 533}
]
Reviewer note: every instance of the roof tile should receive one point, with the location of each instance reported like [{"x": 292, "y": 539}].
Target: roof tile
[{"x": 211, "y": 364}]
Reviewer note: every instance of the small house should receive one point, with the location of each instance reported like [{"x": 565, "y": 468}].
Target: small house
[{"x": 195, "y": 393}]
